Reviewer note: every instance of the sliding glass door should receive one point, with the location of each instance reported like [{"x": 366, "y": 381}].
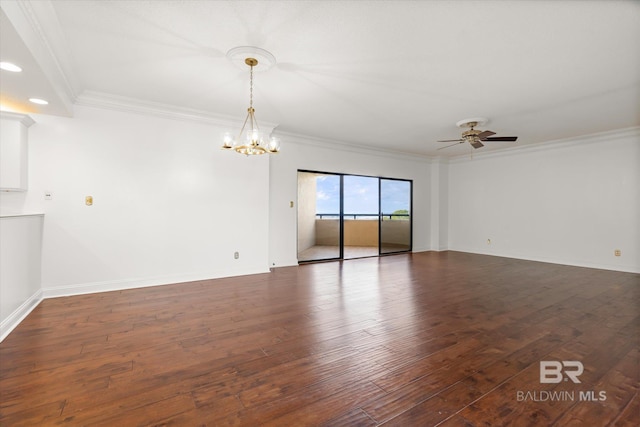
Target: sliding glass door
[
  {"x": 351, "y": 216},
  {"x": 360, "y": 219},
  {"x": 395, "y": 216},
  {"x": 319, "y": 216}
]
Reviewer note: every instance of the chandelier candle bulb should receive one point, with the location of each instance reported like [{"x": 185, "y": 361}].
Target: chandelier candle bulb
[{"x": 228, "y": 141}]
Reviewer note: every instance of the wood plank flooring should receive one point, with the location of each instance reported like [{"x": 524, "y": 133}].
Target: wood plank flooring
[
  {"x": 320, "y": 252},
  {"x": 425, "y": 339}
]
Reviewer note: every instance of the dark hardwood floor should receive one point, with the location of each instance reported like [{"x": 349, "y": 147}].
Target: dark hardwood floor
[{"x": 423, "y": 339}]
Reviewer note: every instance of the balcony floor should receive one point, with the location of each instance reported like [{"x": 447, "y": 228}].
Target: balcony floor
[{"x": 317, "y": 253}]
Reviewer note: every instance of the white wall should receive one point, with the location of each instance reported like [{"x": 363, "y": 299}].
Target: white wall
[
  {"x": 301, "y": 153},
  {"x": 443, "y": 207},
  {"x": 168, "y": 204},
  {"x": 439, "y": 204},
  {"x": 571, "y": 202}
]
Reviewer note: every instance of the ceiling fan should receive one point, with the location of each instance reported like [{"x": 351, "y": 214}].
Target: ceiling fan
[{"x": 476, "y": 137}]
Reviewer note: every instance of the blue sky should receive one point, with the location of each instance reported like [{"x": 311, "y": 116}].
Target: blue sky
[{"x": 360, "y": 194}]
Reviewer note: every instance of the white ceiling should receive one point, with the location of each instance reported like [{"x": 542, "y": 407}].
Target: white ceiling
[{"x": 394, "y": 75}]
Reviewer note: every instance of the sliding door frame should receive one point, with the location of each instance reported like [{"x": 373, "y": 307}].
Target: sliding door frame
[
  {"x": 341, "y": 215},
  {"x": 381, "y": 215}
]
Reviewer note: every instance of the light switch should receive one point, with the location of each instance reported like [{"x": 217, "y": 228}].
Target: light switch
[{"x": 88, "y": 200}]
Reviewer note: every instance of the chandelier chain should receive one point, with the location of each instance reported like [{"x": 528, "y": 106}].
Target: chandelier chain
[{"x": 251, "y": 88}]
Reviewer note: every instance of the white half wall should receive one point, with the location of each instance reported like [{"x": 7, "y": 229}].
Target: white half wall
[
  {"x": 20, "y": 249},
  {"x": 168, "y": 204},
  {"x": 572, "y": 202},
  {"x": 299, "y": 153}
]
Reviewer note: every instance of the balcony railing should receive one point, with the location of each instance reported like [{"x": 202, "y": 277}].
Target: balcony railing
[{"x": 391, "y": 216}]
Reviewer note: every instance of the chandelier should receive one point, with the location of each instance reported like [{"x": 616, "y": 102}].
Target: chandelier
[{"x": 251, "y": 140}]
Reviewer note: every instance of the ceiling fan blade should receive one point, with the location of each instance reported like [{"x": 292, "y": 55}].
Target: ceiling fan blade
[
  {"x": 451, "y": 140},
  {"x": 501, "y": 138},
  {"x": 483, "y": 135},
  {"x": 477, "y": 144},
  {"x": 442, "y": 148}
]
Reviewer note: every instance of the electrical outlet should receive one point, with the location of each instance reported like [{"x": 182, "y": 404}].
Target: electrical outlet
[
  {"x": 236, "y": 255},
  {"x": 48, "y": 195},
  {"x": 617, "y": 252}
]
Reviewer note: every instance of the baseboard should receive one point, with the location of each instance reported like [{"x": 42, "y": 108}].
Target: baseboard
[
  {"x": 571, "y": 262},
  {"x": 286, "y": 263},
  {"x": 120, "y": 285},
  {"x": 14, "y": 319}
]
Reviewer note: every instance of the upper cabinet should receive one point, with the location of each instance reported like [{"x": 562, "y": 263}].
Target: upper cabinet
[{"x": 14, "y": 151}]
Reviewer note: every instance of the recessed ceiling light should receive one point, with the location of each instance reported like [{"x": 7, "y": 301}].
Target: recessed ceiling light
[
  {"x": 38, "y": 101},
  {"x": 8, "y": 66}
]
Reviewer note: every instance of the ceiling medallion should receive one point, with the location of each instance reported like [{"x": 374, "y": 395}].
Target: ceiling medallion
[{"x": 238, "y": 55}]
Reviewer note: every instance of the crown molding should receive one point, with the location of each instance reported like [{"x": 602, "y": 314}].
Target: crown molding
[
  {"x": 25, "y": 119},
  {"x": 607, "y": 136},
  {"x": 350, "y": 147},
  {"x": 167, "y": 111},
  {"x": 157, "y": 109}
]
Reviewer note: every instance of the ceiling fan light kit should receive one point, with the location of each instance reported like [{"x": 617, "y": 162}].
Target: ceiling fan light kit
[
  {"x": 475, "y": 137},
  {"x": 476, "y": 121}
]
